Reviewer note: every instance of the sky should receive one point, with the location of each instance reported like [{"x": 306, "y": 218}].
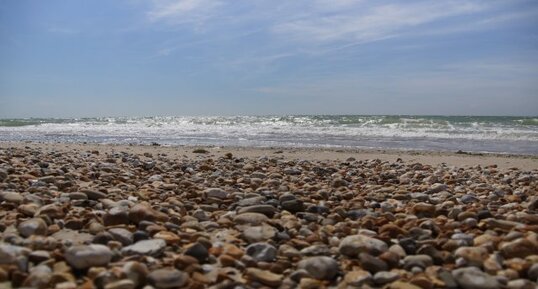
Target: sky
[{"x": 69, "y": 58}]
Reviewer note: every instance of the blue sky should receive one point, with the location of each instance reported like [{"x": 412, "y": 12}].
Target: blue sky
[{"x": 214, "y": 57}]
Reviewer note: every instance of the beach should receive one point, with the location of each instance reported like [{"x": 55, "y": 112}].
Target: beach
[{"x": 114, "y": 216}]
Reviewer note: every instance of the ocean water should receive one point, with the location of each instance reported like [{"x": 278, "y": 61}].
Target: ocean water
[{"x": 514, "y": 135}]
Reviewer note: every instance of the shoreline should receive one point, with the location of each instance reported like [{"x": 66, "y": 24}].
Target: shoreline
[{"x": 458, "y": 159}]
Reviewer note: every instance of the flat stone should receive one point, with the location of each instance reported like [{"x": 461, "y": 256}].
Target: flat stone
[
  {"x": 121, "y": 284},
  {"x": 371, "y": 263},
  {"x": 521, "y": 284},
  {"x": 384, "y": 277},
  {"x": 93, "y": 194},
  {"x": 253, "y": 219},
  {"x": 169, "y": 237},
  {"x": 351, "y": 246},
  {"x": 72, "y": 237},
  {"x": 153, "y": 247},
  {"x": 474, "y": 278},
  {"x": 267, "y": 210},
  {"x": 11, "y": 197},
  {"x": 124, "y": 236},
  {"x": 265, "y": 277},
  {"x": 216, "y": 193},
  {"x": 259, "y": 233},
  {"x": 86, "y": 256},
  {"x": 320, "y": 267},
  {"x": 167, "y": 278}
]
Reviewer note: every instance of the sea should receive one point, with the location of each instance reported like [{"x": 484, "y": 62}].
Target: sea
[{"x": 472, "y": 134}]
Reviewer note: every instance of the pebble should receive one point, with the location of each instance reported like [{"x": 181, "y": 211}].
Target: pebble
[
  {"x": 474, "y": 278},
  {"x": 216, "y": 193},
  {"x": 167, "y": 278},
  {"x": 86, "y": 256},
  {"x": 265, "y": 277},
  {"x": 252, "y": 219},
  {"x": 120, "y": 219},
  {"x": 259, "y": 233},
  {"x": 384, "y": 277},
  {"x": 320, "y": 267},
  {"x": 153, "y": 247},
  {"x": 351, "y": 246},
  {"x": 357, "y": 278},
  {"x": 261, "y": 252},
  {"x": 267, "y": 210},
  {"x": 35, "y": 226}
]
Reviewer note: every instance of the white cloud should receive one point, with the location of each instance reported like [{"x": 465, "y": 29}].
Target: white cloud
[
  {"x": 364, "y": 23},
  {"x": 183, "y": 11}
]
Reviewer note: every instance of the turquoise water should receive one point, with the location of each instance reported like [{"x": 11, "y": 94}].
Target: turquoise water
[{"x": 502, "y": 134}]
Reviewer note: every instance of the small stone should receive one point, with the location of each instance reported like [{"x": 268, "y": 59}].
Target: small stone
[
  {"x": 262, "y": 252},
  {"x": 39, "y": 277},
  {"x": 475, "y": 256},
  {"x": 153, "y": 247},
  {"x": 402, "y": 285},
  {"x": 448, "y": 280},
  {"x": 39, "y": 256},
  {"x": 136, "y": 272},
  {"x": 264, "y": 277},
  {"x": 351, "y": 246},
  {"x": 93, "y": 194},
  {"x": 533, "y": 272},
  {"x": 116, "y": 216},
  {"x": 216, "y": 193},
  {"x": 421, "y": 260},
  {"x": 519, "y": 248},
  {"x": 167, "y": 278},
  {"x": 422, "y": 282},
  {"x": 521, "y": 284},
  {"x": 320, "y": 267},
  {"x": 293, "y": 206},
  {"x": 143, "y": 212},
  {"x": 371, "y": 263},
  {"x": 357, "y": 278},
  {"x": 267, "y": 210},
  {"x": 169, "y": 237},
  {"x": 473, "y": 278},
  {"x": 259, "y": 233},
  {"x": 309, "y": 283},
  {"x": 197, "y": 251},
  {"x": 124, "y": 236},
  {"x": 52, "y": 211},
  {"x": 253, "y": 219},
  {"x": 86, "y": 256},
  {"x": 424, "y": 210},
  {"x": 11, "y": 197},
  {"x": 72, "y": 237},
  {"x": 121, "y": 284},
  {"x": 384, "y": 277},
  {"x": 35, "y": 226}
]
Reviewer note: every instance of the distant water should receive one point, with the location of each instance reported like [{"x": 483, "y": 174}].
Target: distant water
[{"x": 516, "y": 135}]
